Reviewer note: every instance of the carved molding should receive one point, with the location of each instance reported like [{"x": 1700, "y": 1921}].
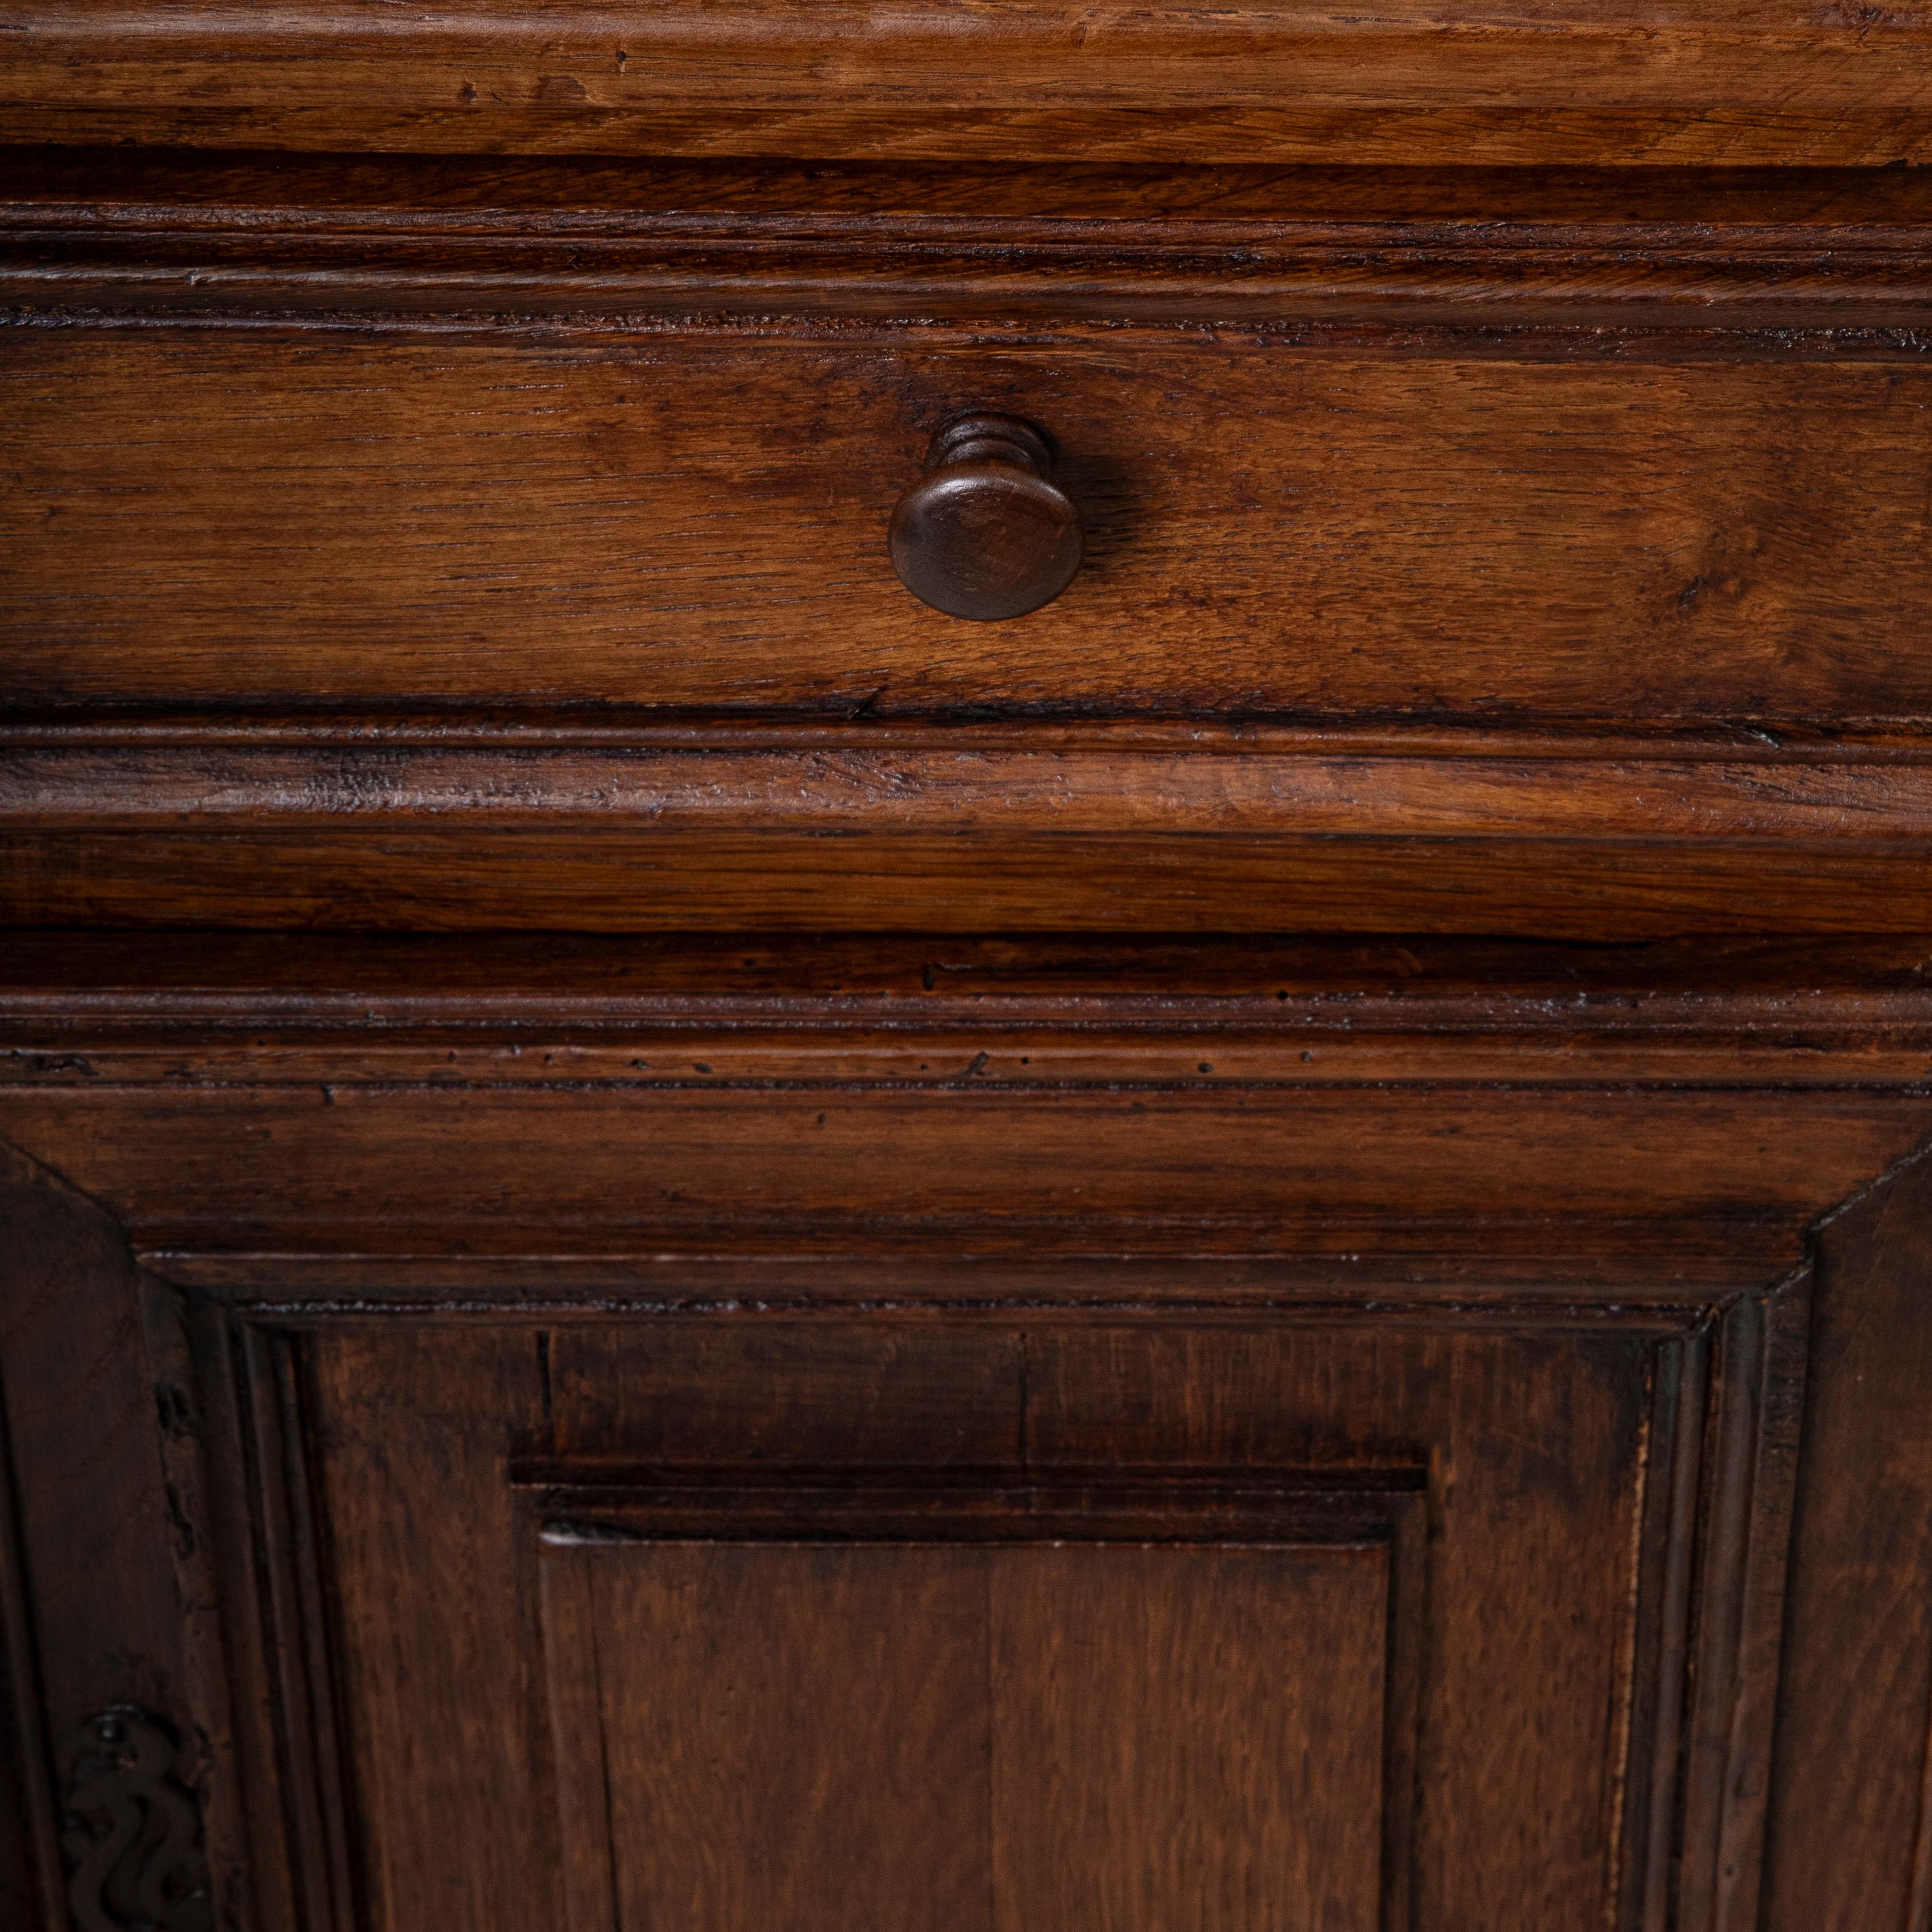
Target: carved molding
[
  {"x": 596, "y": 269},
  {"x": 131, "y": 1830}
]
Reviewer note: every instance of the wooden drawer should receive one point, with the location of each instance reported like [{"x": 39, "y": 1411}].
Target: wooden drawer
[
  {"x": 434, "y": 544},
  {"x": 698, "y": 525}
]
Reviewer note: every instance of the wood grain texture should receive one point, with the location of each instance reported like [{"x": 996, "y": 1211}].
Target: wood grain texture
[
  {"x": 823, "y": 832},
  {"x": 1850, "y": 1822},
  {"x": 1363, "y": 1397},
  {"x": 442, "y": 1706},
  {"x": 735, "y": 1428},
  {"x": 1447, "y": 536},
  {"x": 1211, "y": 1725},
  {"x": 1178, "y": 1172},
  {"x": 693, "y": 524},
  {"x": 1373, "y": 1399},
  {"x": 1749, "y": 81},
  {"x": 973, "y": 1738},
  {"x": 1863, "y": 800},
  {"x": 1377, "y": 1396},
  {"x": 791, "y": 1736},
  {"x": 1607, "y": 1454},
  {"x": 343, "y": 879},
  {"x": 934, "y": 1398}
]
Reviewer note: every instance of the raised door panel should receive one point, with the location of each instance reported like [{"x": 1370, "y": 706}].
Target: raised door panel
[
  {"x": 1192, "y": 1738},
  {"x": 972, "y": 1739},
  {"x": 751, "y": 1736}
]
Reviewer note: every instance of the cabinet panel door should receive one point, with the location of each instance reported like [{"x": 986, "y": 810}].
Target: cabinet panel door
[{"x": 756, "y": 1621}]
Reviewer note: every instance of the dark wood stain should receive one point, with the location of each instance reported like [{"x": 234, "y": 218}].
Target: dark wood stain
[
  {"x": 1232, "y": 1242},
  {"x": 1747, "y": 82},
  {"x": 687, "y": 524}
]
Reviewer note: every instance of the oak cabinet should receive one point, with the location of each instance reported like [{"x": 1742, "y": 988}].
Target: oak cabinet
[{"x": 964, "y": 967}]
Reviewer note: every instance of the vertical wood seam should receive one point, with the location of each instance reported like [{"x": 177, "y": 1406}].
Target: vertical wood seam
[
  {"x": 1661, "y": 1652},
  {"x": 987, "y": 1574},
  {"x": 592, "y": 1576},
  {"x": 1780, "y": 1385},
  {"x": 309, "y": 1573},
  {"x": 1626, "y": 1703}
]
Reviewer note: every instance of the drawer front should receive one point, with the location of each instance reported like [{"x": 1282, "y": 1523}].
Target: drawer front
[{"x": 701, "y": 524}]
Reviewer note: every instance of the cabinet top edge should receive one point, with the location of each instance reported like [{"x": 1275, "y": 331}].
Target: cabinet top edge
[{"x": 1742, "y": 82}]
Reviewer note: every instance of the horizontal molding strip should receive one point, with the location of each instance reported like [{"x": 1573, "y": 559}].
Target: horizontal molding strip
[
  {"x": 1649, "y": 1269},
  {"x": 1895, "y": 741},
  {"x": 1743, "y": 82},
  {"x": 290, "y": 263},
  {"x": 102, "y": 1010},
  {"x": 854, "y": 792}
]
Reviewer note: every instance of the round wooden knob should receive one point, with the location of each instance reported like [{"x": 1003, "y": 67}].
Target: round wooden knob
[{"x": 986, "y": 534}]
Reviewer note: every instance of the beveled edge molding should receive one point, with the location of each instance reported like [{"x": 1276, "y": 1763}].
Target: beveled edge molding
[
  {"x": 81, "y": 1010},
  {"x": 1850, "y": 289},
  {"x": 902, "y": 831},
  {"x": 1882, "y": 798},
  {"x": 1805, "y": 261},
  {"x": 1240, "y": 1190}
]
